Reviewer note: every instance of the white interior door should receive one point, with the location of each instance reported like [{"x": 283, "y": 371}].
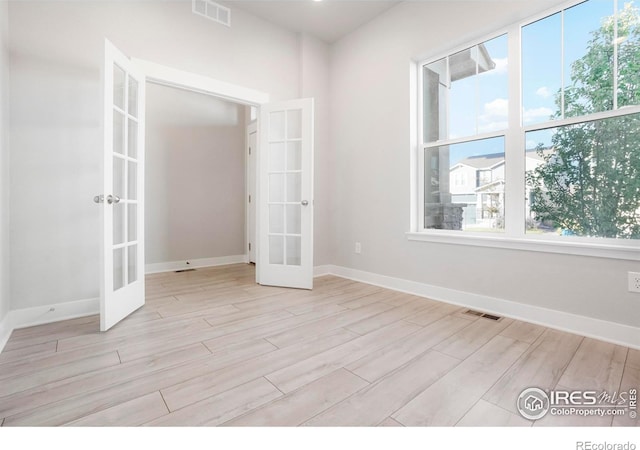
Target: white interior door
[
  {"x": 122, "y": 202},
  {"x": 285, "y": 194}
]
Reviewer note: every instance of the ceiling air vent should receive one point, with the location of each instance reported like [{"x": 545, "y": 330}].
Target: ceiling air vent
[{"x": 212, "y": 10}]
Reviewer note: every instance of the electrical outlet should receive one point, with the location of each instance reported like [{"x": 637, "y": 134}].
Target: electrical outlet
[
  {"x": 634, "y": 282},
  {"x": 358, "y": 249}
]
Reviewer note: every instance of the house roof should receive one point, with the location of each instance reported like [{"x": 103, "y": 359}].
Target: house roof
[
  {"x": 491, "y": 160},
  {"x": 483, "y": 161}
]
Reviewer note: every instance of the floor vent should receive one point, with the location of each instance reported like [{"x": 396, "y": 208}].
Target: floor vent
[
  {"x": 213, "y": 11},
  {"x": 471, "y": 312},
  {"x": 185, "y": 270}
]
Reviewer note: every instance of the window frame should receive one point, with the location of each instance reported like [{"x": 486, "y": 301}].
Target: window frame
[{"x": 514, "y": 235}]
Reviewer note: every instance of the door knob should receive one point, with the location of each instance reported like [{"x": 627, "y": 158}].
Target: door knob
[
  {"x": 304, "y": 203},
  {"x": 113, "y": 199}
]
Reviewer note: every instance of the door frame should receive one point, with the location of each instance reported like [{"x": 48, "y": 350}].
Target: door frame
[
  {"x": 169, "y": 76},
  {"x": 251, "y": 233}
]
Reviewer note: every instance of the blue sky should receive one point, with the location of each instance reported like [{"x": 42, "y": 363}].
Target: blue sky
[{"x": 542, "y": 46}]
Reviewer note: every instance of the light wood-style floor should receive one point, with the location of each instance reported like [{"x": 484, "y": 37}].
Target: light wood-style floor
[{"x": 212, "y": 348}]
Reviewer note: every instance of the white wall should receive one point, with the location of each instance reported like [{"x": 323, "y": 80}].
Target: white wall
[
  {"x": 56, "y": 53},
  {"x": 195, "y": 176},
  {"x": 314, "y": 82},
  {"x": 370, "y": 141},
  {"x": 4, "y": 163}
]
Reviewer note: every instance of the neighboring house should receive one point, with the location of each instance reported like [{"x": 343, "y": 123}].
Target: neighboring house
[{"x": 478, "y": 181}]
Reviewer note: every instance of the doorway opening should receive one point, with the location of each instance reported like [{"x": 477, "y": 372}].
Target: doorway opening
[{"x": 199, "y": 210}]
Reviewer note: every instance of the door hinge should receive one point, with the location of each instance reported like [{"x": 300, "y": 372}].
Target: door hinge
[
  {"x": 249, "y": 150},
  {"x": 249, "y": 199},
  {"x": 249, "y": 246}
]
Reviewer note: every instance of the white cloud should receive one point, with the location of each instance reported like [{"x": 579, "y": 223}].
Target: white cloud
[
  {"x": 494, "y": 116},
  {"x": 498, "y": 107},
  {"x": 543, "y": 92},
  {"x": 535, "y": 114},
  {"x": 501, "y": 65}
]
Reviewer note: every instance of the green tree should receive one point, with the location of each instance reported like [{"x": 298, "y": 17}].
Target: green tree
[{"x": 589, "y": 182}]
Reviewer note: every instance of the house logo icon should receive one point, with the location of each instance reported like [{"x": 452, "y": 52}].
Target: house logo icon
[{"x": 533, "y": 403}]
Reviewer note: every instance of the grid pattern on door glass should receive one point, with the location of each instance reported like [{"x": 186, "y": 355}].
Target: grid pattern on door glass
[
  {"x": 284, "y": 159},
  {"x": 125, "y": 178}
]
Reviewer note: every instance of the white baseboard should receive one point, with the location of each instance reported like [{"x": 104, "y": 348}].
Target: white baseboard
[
  {"x": 28, "y": 317},
  {"x": 615, "y": 333},
  {"x": 319, "y": 271},
  {"x": 200, "y": 263},
  {"x": 38, "y": 315},
  {"x": 5, "y": 331}
]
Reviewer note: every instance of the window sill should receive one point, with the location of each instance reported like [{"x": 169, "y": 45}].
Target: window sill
[{"x": 629, "y": 251}]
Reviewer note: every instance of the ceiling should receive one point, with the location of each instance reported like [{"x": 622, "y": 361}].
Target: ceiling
[{"x": 328, "y": 20}]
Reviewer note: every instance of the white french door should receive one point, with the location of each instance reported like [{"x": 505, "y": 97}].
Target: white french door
[
  {"x": 122, "y": 202},
  {"x": 285, "y": 177}
]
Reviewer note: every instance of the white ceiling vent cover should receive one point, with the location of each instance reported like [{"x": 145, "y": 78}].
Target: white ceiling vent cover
[{"x": 212, "y": 10}]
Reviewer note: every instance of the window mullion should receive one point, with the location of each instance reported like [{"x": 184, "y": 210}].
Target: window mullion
[
  {"x": 417, "y": 156},
  {"x": 615, "y": 54},
  {"x": 562, "y": 74},
  {"x": 514, "y": 143}
]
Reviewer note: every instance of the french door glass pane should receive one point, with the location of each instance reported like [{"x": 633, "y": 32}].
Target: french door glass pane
[
  {"x": 276, "y": 249},
  {"x": 276, "y": 218},
  {"x": 294, "y": 186},
  {"x": 132, "y": 220},
  {"x": 133, "y": 180},
  {"x": 276, "y": 157},
  {"x": 276, "y": 187},
  {"x": 294, "y": 219},
  {"x": 118, "y": 86},
  {"x": 118, "y": 223},
  {"x": 132, "y": 263},
  {"x": 294, "y": 252},
  {"x": 118, "y": 132},
  {"x": 133, "y": 97},
  {"x": 118, "y": 176},
  {"x": 132, "y": 139},
  {"x": 118, "y": 268},
  {"x": 294, "y": 124},
  {"x": 276, "y": 126},
  {"x": 294, "y": 155}
]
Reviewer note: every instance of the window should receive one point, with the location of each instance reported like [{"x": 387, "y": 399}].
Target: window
[
  {"x": 465, "y": 97},
  {"x": 572, "y": 136}
]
